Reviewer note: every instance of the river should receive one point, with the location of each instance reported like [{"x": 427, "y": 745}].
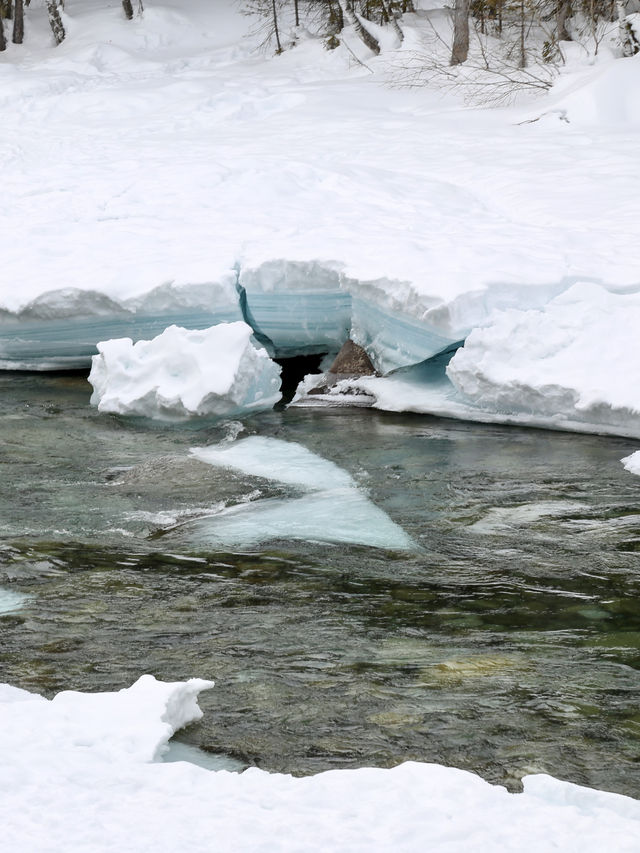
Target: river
[{"x": 507, "y": 641}]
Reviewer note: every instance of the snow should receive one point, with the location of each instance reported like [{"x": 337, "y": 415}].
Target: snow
[
  {"x": 332, "y": 508},
  {"x": 181, "y": 374},
  {"x": 632, "y": 463},
  {"x": 80, "y": 773},
  {"x": 179, "y": 162},
  {"x": 569, "y": 365},
  {"x": 576, "y": 358}
]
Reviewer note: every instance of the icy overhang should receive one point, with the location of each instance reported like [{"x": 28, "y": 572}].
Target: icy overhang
[{"x": 294, "y": 308}]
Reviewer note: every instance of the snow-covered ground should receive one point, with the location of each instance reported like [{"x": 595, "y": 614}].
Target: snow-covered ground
[
  {"x": 80, "y": 773},
  {"x": 161, "y": 171}
]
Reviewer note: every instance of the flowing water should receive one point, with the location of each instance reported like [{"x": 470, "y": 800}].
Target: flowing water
[{"x": 504, "y": 640}]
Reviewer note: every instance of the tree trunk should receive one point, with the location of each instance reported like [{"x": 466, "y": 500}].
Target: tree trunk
[
  {"x": 460, "y": 48},
  {"x": 274, "y": 12},
  {"x": 55, "y": 21},
  {"x": 351, "y": 18},
  {"x": 18, "y": 22},
  {"x": 297, "y": 12},
  {"x": 3, "y": 40},
  {"x": 628, "y": 41},
  {"x": 393, "y": 20},
  {"x": 563, "y": 11},
  {"x": 128, "y": 9},
  {"x": 522, "y": 62}
]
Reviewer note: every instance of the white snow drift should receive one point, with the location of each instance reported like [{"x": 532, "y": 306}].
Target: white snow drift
[
  {"x": 332, "y": 507},
  {"x": 179, "y": 374},
  {"x": 77, "y": 774}
]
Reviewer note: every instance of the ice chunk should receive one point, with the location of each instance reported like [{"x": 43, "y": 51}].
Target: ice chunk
[
  {"x": 181, "y": 374},
  {"x": 504, "y": 519},
  {"x": 332, "y": 516},
  {"x": 632, "y": 463},
  {"x": 10, "y": 600},
  {"x": 284, "y": 461},
  {"x": 335, "y": 510}
]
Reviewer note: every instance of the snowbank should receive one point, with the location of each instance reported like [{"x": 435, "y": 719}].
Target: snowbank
[
  {"x": 332, "y": 507},
  {"x": 336, "y": 205},
  {"x": 181, "y": 374},
  {"x": 570, "y": 365},
  {"x": 77, "y": 775},
  {"x": 575, "y": 359}
]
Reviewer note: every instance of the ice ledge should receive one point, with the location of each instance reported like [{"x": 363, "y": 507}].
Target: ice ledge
[{"x": 294, "y": 308}]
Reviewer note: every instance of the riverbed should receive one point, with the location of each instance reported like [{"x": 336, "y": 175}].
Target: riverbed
[{"x": 505, "y": 640}]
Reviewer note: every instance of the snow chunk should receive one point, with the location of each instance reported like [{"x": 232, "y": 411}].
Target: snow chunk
[
  {"x": 132, "y": 725},
  {"x": 180, "y": 374},
  {"x": 573, "y": 360},
  {"x": 632, "y": 463},
  {"x": 334, "y": 510}
]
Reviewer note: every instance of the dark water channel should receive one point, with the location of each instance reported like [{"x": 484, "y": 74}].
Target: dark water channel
[{"x": 507, "y": 642}]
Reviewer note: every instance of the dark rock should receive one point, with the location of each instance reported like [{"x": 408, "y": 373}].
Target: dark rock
[{"x": 352, "y": 361}]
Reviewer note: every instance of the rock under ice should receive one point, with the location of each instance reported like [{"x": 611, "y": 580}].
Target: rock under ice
[
  {"x": 80, "y": 772},
  {"x": 569, "y": 364},
  {"x": 181, "y": 374}
]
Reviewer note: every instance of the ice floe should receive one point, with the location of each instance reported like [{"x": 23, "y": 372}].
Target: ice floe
[
  {"x": 181, "y": 374},
  {"x": 80, "y": 772},
  {"x": 332, "y": 508},
  {"x": 11, "y": 600}
]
